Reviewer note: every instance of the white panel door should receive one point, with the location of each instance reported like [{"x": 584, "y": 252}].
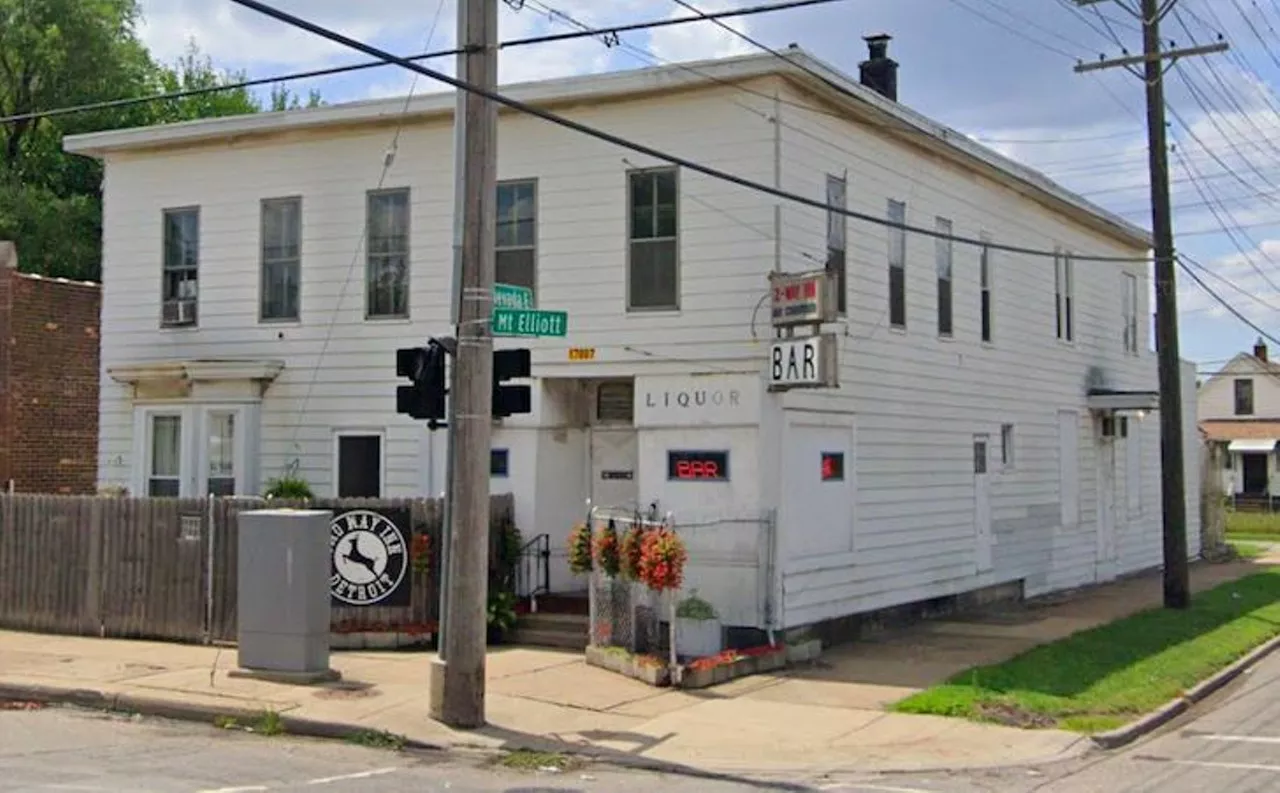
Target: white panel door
[
  {"x": 982, "y": 536},
  {"x": 1069, "y": 467},
  {"x": 1106, "y": 539},
  {"x": 615, "y": 456},
  {"x": 817, "y": 515}
]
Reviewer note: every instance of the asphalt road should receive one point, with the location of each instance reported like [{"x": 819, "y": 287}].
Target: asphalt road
[{"x": 80, "y": 751}]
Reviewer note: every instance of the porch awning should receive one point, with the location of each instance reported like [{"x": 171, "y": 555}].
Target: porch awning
[
  {"x": 1252, "y": 445},
  {"x": 1123, "y": 400}
]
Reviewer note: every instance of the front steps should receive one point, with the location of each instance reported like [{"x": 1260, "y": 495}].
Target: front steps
[{"x": 560, "y": 621}]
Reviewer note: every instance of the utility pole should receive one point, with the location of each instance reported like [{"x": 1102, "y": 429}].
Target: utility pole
[
  {"x": 458, "y": 675},
  {"x": 1177, "y": 586}
]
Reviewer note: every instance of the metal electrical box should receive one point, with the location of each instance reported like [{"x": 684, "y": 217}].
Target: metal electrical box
[{"x": 283, "y": 595}]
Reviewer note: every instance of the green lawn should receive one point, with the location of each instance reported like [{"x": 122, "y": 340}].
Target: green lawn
[
  {"x": 1102, "y": 678},
  {"x": 1264, "y": 525}
]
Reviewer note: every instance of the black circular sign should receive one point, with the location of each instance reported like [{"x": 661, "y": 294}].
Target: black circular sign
[{"x": 369, "y": 557}]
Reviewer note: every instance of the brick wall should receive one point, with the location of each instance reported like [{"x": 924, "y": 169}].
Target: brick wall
[{"x": 49, "y": 357}]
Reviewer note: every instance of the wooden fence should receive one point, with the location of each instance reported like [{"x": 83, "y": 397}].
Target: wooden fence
[{"x": 165, "y": 568}]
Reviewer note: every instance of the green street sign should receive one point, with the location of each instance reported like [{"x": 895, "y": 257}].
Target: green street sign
[
  {"x": 508, "y": 296},
  {"x": 523, "y": 322}
]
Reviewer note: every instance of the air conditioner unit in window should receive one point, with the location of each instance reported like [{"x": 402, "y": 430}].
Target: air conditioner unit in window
[{"x": 180, "y": 312}]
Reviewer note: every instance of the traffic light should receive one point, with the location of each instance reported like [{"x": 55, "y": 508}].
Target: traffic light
[
  {"x": 425, "y": 367},
  {"x": 508, "y": 400}
]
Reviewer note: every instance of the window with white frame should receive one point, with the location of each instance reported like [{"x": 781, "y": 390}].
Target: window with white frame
[
  {"x": 180, "y": 279},
  {"x": 1064, "y": 294},
  {"x": 653, "y": 255},
  {"x": 164, "y": 464},
  {"x": 985, "y": 279},
  {"x": 281, "y": 257},
  {"x": 837, "y": 236},
  {"x": 943, "y": 254},
  {"x": 387, "y": 273},
  {"x": 1130, "y": 297},
  {"x": 516, "y": 254},
  {"x": 221, "y": 453},
  {"x": 897, "y": 213}
]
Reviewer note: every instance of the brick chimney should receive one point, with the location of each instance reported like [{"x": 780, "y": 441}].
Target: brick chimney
[
  {"x": 879, "y": 72},
  {"x": 1260, "y": 350}
]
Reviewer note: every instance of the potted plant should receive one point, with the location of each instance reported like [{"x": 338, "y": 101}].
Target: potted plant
[
  {"x": 502, "y": 615},
  {"x": 662, "y": 558},
  {"x": 607, "y": 551},
  {"x": 697, "y": 628},
  {"x": 289, "y": 488}
]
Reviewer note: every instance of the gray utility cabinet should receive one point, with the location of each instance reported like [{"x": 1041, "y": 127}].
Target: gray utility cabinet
[{"x": 283, "y": 592}]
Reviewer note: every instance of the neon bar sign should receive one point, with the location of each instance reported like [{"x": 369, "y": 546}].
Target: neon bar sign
[{"x": 698, "y": 466}]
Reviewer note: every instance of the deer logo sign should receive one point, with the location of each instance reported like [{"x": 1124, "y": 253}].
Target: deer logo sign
[{"x": 369, "y": 557}]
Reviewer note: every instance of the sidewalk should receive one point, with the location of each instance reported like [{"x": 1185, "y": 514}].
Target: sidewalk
[{"x": 826, "y": 718}]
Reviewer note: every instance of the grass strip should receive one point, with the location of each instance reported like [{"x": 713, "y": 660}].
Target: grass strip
[{"x": 1104, "y": 677}]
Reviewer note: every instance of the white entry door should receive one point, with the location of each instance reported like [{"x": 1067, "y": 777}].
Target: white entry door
[
  {"x": 615, "y": 454},
  {"x": 1106, "y": 539},
  {"x": 982, "y": 539}
]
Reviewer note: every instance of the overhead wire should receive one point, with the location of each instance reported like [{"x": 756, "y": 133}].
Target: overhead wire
[
  {"x": 112, "y": 104},
  {"x": 649, "y": 151}
]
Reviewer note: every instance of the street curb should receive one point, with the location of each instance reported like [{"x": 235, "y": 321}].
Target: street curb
[
  {"x": 91, "y": 699},
  {"x": 1167, "y": 712}
]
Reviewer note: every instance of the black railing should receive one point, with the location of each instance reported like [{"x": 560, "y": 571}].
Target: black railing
[{"x": 533, "y": 573}]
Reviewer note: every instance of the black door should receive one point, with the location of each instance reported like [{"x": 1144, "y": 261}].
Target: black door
[
  {"x": 359, "y": 466},
  {"x": 1254, "y": 470}
]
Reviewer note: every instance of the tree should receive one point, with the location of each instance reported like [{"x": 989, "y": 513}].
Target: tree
[{"x": 59, "y": 53}]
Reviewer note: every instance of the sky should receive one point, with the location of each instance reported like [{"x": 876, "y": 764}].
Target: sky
[{"x": 999, "y": 70}]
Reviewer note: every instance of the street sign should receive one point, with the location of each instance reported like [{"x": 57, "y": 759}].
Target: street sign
[
  {"x": 508, "y": 296},
  {"x": 524, "y": 322},
  {"x": 803, "y": 298},
  {"x": 804, "y": 362}
]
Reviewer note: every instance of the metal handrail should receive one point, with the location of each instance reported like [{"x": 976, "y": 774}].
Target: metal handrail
[{"x": 533, "y": 574}]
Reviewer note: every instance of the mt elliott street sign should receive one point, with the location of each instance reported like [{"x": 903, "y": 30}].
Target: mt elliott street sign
[{"x": 514, "y": 314}]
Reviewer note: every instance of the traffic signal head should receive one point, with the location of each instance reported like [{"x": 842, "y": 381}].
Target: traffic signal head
[
  {"x": 510, "y": 400},
  {"x": 425, "y": 367}
]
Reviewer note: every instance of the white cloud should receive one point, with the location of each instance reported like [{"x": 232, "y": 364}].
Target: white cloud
[{"x": 1249, "y": 281}]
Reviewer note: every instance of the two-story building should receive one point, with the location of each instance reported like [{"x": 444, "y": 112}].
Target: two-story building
[
  {"x": 1239, "y": 412},
  {"x": 987, "y": 430}
]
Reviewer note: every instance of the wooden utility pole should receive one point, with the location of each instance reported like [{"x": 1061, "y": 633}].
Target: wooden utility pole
[
  {"x": 458, "y": 686},
  {"x": 1173, "y": 493}
]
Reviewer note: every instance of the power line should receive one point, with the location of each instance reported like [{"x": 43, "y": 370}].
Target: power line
[
  {"x": 1182, "y": 260},
  {"x": 649, "y": 151},
  {"x": 606, "y": 32}
]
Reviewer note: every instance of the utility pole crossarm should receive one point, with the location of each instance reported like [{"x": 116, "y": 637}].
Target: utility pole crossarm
[{"x": 1169, "y": 55}]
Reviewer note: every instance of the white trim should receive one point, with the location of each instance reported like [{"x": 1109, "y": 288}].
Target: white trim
[
  {"x": 798, "y": 66},
  {"x": 143, "y": 417},
  {"x": 361, "y": 432}
]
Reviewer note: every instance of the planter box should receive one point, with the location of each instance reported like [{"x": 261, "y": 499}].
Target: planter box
[
  {"x": 698, "y": 638},
  {"x": 627, "y": 664},
  {"x": 754, "y": 665}
]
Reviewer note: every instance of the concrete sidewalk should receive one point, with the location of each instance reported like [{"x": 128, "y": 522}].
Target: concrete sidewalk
[{"x": 823, "y": 719}]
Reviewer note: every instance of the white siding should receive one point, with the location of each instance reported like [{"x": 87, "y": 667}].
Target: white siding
[
  {"x": 1217, "y": 397},
  {"x": 725, "y": 250},
  {"x": 920, "y": 399}
]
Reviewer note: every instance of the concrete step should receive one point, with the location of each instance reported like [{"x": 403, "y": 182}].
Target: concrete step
[
  {"x": 572, "y": 623},
  {"x": 538, "y": 638}
]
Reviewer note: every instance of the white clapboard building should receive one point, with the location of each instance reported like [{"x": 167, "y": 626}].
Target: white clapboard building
[{"x": 989, "y": 425}]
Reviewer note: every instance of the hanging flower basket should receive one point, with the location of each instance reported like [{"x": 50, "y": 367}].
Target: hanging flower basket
[
  {"x": 580, "y": 549},
  {"x": 662, "y": 560},
  {"x": 629, "y": 553},
  {"x": 606, "y": 550}
]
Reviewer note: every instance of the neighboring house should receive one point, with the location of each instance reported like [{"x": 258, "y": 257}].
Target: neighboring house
[
  {"x": 48, "y": 381},
  {"x": 986, "y": 432},
  {"x": 1239, "y": 411}
]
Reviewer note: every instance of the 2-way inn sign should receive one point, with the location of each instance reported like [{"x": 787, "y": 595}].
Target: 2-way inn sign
[{"x": 804, "y": 362}]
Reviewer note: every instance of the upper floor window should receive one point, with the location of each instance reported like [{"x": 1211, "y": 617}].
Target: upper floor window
[
  {"x": 516, "y": 253},
  {"x": 985, "y": 281},
  {"x": 943, "y": 254},
  {"x": 653, "y": 265},
  {"x": 387, "y": 266},
  {"x": 1244, "y": 396},
  {"x": 897, "y": 213},
  {"x": 181, "y": 269},
  {"x": 1130, "y": 313},
  {"x": 1064, "y": 294},
  {"x": 281, "y": 258},
  {"x": 837, "y": 237}
]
